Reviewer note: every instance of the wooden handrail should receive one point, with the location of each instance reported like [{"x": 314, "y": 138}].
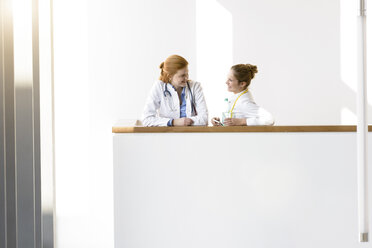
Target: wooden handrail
[{"x": 232, "y": 129}]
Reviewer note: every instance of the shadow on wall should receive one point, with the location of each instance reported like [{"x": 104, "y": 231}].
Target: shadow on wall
[{"x": 297, "y": 47}]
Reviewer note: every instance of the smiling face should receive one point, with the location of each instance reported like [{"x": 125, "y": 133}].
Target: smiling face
[
  {"x": 179, "y": 80},
  {"x": 233, "y": 85}
]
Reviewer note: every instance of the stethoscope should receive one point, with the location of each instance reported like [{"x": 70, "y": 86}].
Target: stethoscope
[{"x": 193, "y": 108}]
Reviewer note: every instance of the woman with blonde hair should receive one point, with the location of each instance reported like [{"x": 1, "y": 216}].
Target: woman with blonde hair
[
  {"x": 174, "y": 100},
  {"x": 242, "y": 110}
]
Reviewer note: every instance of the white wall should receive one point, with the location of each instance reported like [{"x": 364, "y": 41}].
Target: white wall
[
  {"x": 305, "y": 52},
  {"x": 107, "y": 56}
]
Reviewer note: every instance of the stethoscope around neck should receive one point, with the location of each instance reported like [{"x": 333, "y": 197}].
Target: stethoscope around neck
[{"x": 167, "y": 92}]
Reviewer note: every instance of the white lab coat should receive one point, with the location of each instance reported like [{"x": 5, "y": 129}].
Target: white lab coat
[
  {"x": 245, "y": 107},
  {"x": 159, "y": 109}
]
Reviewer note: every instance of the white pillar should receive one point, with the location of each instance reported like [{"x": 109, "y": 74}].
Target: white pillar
[{"x": 362, "y": 126}]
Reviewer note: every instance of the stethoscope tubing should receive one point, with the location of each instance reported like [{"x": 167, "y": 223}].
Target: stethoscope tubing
[{"x": 193, "y": 107}]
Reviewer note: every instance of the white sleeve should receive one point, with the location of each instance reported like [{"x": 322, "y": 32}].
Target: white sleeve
[
  {"x": 201, "y": 119},
  {"x": 150, "y": 115},
  {"x": 263, "y": 118}
]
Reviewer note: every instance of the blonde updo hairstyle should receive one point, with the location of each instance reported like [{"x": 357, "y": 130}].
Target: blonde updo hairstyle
[
  {"x": 170, "y": 67},
  {"x": 244, "y": 72}
]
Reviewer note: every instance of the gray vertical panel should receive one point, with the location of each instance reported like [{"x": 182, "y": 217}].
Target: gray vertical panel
[
  {"x": 25, "y": 165},
  {"x": 36, "y": 91},
  {"x": 25, "y": 173},
  {"x": 10, "y": 165},
  {"x": 2, "y": 138},
  {"x": 20, "y": 196},
  {"x": 47, "y": 231},
  {"x": 25, "y": 170}
]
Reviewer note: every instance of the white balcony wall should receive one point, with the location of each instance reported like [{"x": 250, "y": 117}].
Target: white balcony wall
[{"x": 107, "y": 56}]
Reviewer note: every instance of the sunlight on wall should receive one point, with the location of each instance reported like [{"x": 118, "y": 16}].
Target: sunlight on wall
[
  {"x": 348, "y": 117},
  {"x": 71, "y": 107},
  {"x": 46, "y": 112},
  {"x": 369, "y": 57},
  {"x": 348, "y": 43},
  {"x": 214, "y": 51},
  {"x": 348, "y": 55},
  {"x": 83, "y": 212},
  {"x": 22, "y": 21}
]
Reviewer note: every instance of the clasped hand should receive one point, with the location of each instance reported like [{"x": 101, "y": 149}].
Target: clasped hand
[{"x": 183, "y": 122}]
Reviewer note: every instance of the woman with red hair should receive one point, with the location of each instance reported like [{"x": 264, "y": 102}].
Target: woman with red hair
[{"x": 175, "y": 100}]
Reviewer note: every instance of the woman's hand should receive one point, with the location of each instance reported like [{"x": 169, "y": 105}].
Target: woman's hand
[
  {"x": 183, "y": 122},
  {"x": 235, "y": 122},
  {"x": 214, "y": 123}
]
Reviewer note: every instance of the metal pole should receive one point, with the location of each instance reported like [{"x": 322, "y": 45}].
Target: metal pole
[{"x": 362, "y": 126}]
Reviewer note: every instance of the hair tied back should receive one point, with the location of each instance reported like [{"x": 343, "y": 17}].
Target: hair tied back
[
  {"x": 161, "y": 66},
  {"x": 252, "y": 68}
]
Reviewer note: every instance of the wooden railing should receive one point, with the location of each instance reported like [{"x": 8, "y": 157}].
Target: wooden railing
[{"x": 212, "y": 129}]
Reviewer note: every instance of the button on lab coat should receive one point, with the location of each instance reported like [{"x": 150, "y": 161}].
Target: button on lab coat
[{"x": 160, "y": 108}]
